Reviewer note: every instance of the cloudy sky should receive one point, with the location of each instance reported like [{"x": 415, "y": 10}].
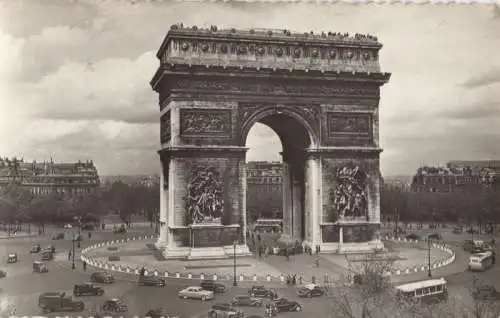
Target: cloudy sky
[{"x": 74, "y": 77}]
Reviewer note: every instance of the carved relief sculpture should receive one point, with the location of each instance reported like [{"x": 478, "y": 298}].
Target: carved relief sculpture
[
  {"x": 196, "y": 122},
  {"x": 348, "y": 124},
  {"x": 204, "y": 199},
  {"x": 165, "y": 132},
  {"x": 349, "y": 196}
]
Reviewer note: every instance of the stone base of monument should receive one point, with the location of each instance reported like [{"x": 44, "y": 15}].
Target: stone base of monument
[
  {"x": 207, "y": 253},
  {"x": 360, "y": 248},
  {"x": 241, "y": 250},
  {"x": 173, "y": 252}
]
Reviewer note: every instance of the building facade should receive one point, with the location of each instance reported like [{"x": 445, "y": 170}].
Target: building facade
[
  {"x": 50, "y": 177},
  {"x": 264, "y": 190},
  {"x": 456, "y": 176}
]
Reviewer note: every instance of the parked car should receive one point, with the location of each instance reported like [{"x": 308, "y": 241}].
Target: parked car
[
  {"x": 435, "y": 236},
  {"x": 51, "y": 247},
  {"x": 262, "y": 292},
  {"x": 160, "y": 313},
  {"x": 471, "y": 245},
  {"x": 196, "y": 292},
  {"x": 114, "y": 305},
  {"x": 245, "y": 300},
  {"x": 310, "y": 290},
  {"x": 413, "y": 236},
  {"x": 152, "y": 281},
  {"x": 12, "y": 258},
  {"x": 59, "y": 301},
  {"x": 214, "y": 286},
  {"x": 87, "y": 289},
  {"x": 486, "y": 292},
  {"x": 35, "y": 249},
  {"x": 102, "y": 277},
  {"x": 285, "y": 305},
  {"x": 224, "y": 310},
  {"x": 40, "y": 267}
]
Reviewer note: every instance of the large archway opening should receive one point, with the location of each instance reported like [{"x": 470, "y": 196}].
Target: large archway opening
[{"x": 276, "y": 170}]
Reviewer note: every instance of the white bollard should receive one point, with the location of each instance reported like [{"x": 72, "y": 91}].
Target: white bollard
[
  {"x": 190, "y": 276},
  {"x": 202, "y": 276},
  {"x": 165, "y": 274},
  {"x": 177, "y": 275},
  {"x": 268, "y": 277},
  {"x": 398, "y": 272},
  {"x": 242, "y": 278},
  {"x": 254, "y": 278},
  {"x": 282, "y": 278},
  {"x": 156, "y": 273},
  {"x": 214, "y": 277}
]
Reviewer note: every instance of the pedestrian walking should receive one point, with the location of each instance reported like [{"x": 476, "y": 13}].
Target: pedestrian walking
[
  {"x": 300, "y": 280},
  {"x": 260, "y": 251},
  {"x": 84, "y": 265},
  {"x": 90, "y": 235},
  {"x": 287, "y": 257},
  {"x": 266, "y": 252},
  {"x": 294, "y": 279},
  {"x": 69, "y": 256}
]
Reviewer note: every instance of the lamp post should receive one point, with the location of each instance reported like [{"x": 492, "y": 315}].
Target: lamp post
[
  {"x": 429, "y": 257},
  {"x": 79, "y": 219},
  {"x": 235, "y": 283},
  {"x": 73, "y": 254}
]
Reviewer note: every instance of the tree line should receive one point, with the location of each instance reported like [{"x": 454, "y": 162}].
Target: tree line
[
  {"x": 478, "y": 206},
  {"x": 19, "y": 205}
]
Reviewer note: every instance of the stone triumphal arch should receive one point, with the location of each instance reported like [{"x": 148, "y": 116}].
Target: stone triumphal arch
[{"x": 318, "y": 92}]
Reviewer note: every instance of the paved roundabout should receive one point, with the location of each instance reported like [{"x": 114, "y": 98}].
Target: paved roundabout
[{"x": 21, "y": 287}]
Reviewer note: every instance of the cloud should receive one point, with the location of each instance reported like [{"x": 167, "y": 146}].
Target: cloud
[
  {"x": 74, "y": 80},
  {"x": 489, "y": 78}
]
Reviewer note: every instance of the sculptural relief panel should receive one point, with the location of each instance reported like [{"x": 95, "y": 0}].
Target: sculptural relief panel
[
  {"x": 349, "y": 196},
  {"x": 205, "y": 122},
  {"x": 349, "y": 129},
  {"x": 165, "y": 128}
]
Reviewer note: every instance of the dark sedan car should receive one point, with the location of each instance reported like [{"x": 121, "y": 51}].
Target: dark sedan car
[
  {"x": 285, "y": 305},
  {"x": 160, "y": 313},
  {"x": 435, "y": 237},
  {"x": 412, "y": 236},
  {"x": 152, "y": 281},
  {"x": 102, "y": 277},
  {"x": 245, "y": 300},
  {"x": 310, "y": 290},
  {"x": 213, "y": 286},
  {"x": 262, "y": 292},
  {"x": 486, "y": 292},
  {"x": 87, "y": 289}
]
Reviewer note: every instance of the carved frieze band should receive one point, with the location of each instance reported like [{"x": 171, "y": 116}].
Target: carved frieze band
[
  {"x": 342, "y": 124},
  {"x": 276, "y": 88},
  {"x": 209, "y": 122},
  {"x": 279, "y": 50},
  {"x": 165, "y": 128}
]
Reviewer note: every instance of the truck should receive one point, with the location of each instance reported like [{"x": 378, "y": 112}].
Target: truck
[{"x": 59, "y": 301}]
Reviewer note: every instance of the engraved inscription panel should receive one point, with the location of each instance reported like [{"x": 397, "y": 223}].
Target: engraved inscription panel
[
  {"x": 205, "y": 122},
  {"x": 349, "y": 124},
  {"x": 165, "y": 129}
]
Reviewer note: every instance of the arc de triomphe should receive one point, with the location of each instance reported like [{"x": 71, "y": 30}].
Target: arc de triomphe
[{"x": 318, "y": 92}]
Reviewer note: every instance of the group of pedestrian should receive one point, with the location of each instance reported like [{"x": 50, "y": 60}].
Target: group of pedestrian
[{"x": 291, "y": 279}]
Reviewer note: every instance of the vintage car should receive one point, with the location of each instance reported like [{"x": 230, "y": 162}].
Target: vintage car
[
  {"x": 47, "y": 255},
  {"x": 310, "y": 290},
  {"x": 151, "y": 281},
  {"x": 160, "y": 313},
  {"x": 119, "y": 230},
  {"x": 59, "y": 301},
  {"x": 245, "y": 300},
  {"x": 40, "y": 267},
  {"x": 486, "y": 292},
  {"x": 285, "y": 305},
  {"x": 214, "y": 286},
  {"x": 102, "y": 277},
  {"x": 435, "y": 237},
  {"x": 87, "y": 289},
  {"x": 114, "y": 305},
  {"x": 12, "y": 258},
  {"x": 51, "y": 247},
  {"x": 262, "y": 292},
  {"x": 35, "y": 249},
  {"x": 196, "y": 292},
  {"x": 224, "y": 310}
]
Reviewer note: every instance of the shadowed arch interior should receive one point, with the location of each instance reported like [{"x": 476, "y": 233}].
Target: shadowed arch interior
[{"x": 295, "y": 139}]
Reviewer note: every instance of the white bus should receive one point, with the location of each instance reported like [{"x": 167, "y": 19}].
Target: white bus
[
  {"x": 428, "y": 291},
  {"x": 481, "y": 261}
]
